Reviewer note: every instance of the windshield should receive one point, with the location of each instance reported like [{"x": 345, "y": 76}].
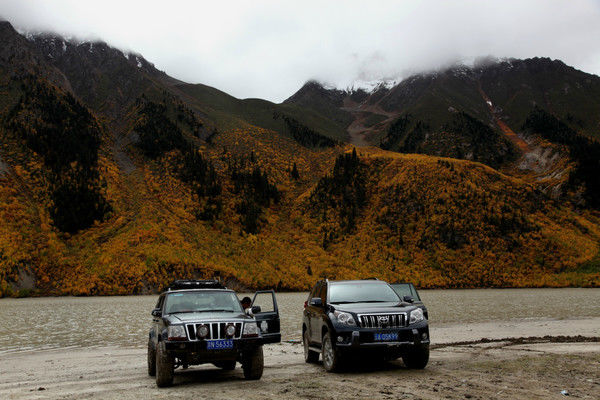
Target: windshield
[
  {"x": 202, "y": 301},
  {"x": 364, "y": 292},
  {"x": 406, "y": 289}
]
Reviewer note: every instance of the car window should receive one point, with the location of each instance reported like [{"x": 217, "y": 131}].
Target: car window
[
  {"x": 159, "y": 303},
  {"x": 363, "y": 292},
  {"x": 314, "y": 292},
  {"x": 405, "y": 289},
  {"x": 202, "y": 301},
  {"x": 323, "y": 293},
  {"x": 265, "y": 302}
]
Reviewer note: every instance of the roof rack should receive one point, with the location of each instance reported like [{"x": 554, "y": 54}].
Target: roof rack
[{"x": 195, "y": 284}]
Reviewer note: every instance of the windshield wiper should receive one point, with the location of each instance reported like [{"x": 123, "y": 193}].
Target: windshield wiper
[
  {"x": 199, "y": 311},
  {"x": 373, "y": 301},
  {"x": 342, "y": 302}
]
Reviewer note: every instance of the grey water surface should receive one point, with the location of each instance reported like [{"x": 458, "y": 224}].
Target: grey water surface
[{"x": 63, "y": 322}]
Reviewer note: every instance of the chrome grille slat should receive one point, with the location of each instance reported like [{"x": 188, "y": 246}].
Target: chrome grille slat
[
  {"x": 216, "y": 330},
  {"x": 395, "y": 320}
]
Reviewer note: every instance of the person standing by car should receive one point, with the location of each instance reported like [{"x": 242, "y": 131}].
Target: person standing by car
[{"x": 246, "y": 303}]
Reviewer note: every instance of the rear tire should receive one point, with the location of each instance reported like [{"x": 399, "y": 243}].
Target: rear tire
[
  {"x": 165, "y": 365},
  {"x": 331, "y": 358},
  {"x": 417, "y": 356},
  {"x": 226, "y": 365},
  {"x": 311, "y": 357},
  {"x": 253, "y": 363},
  {"x": 151, "y": 359}
]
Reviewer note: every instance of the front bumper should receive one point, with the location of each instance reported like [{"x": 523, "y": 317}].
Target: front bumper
[
  {"x": 199, "y": 346},
  {"x": 364, "y": 338}
]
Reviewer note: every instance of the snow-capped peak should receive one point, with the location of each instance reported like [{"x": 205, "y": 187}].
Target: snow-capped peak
[{"x": 372, "y": 85}]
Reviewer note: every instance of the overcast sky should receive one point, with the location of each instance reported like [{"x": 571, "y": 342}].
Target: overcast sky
[{"x": 268, "y": 49}]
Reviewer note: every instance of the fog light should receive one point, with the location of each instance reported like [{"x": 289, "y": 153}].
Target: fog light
[
  {"x": 202, "y": 331},
  {"x": 424, "y": 336},
  {"x": 230, "y": 330},
  {"x": 340, "y": 339}
]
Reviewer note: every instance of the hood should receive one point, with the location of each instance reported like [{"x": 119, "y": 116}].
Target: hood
[
  {"x": 368, "y": 308},
  {"x": 205, "y": 316}
]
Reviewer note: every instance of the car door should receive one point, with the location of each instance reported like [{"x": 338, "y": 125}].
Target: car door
[
  {"x": 157, "y": 320},
  {"x": 313, "y": 315},
  {"x": 319, "y": 314},
  {"x": 310, "y": 311},
  {"x": 268, "y": 317},
  {"x": 408, "y": 289}
]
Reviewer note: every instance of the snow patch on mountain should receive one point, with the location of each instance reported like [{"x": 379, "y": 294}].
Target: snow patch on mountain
[{"x": 371, "y": 86}]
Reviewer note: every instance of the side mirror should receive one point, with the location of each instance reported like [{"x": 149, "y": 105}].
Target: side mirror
[
  {"x": 316, "y": 301},
  {"x": 408, "y": 299},
  {"x": 255, "y": 309},
  {"x": 156, "y": 312}
]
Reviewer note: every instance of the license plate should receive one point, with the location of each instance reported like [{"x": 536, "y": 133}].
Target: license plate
[
  {"x": 386, "y": 337},
  {"x": 219, "y": 344}
]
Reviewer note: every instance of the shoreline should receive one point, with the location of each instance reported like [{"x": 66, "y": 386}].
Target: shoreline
[{"x": 250, "y": 290}]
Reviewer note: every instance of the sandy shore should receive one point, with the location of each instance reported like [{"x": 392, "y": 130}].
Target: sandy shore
[{"x": 525, "y": 368}]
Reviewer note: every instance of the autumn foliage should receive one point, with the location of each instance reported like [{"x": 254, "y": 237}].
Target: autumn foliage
[{"x": 259, "y": 209}]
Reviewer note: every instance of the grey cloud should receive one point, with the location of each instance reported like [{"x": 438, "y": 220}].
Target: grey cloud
[{"x": 268, "y": 49}]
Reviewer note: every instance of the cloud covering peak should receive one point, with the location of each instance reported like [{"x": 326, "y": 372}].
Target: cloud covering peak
[{"x": 268, "y": 49}]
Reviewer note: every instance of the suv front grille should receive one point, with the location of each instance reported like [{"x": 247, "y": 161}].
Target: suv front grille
[
  {"x": 382, "y": 320},
  {"x": 216, "y": 330}
]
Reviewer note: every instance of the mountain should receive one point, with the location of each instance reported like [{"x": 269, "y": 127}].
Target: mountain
[
  {"x": 116, "y": 178},
  {"x": 513, "y": 87},
  {"x": 476, "y": 113}
]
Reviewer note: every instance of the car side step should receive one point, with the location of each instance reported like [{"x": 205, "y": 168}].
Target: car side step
[{"x": 316, "y": 349}]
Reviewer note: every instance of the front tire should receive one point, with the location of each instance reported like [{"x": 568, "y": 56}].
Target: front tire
[
  {"x": 417, "y": 356},
  {"x": 151, "y": 359},
  {"x": 165, "y": 365},
  {"x": 253, "y": 364},
  {"x": 331, "y": 358},
  {"x": 311, "y": 357}
]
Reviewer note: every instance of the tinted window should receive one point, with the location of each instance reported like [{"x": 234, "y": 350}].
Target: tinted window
[
  {"x": 323, "y": 293},
  {"x": 160, "y": 302},
  {"x": 363, "y": 292},
  {"x": 315, "y": 292},
  {"x": 202, "y": 301},
  {"x": 406, "y": 289}
]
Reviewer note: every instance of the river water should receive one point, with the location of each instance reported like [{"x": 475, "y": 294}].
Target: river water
[{"x": 63, "y": 322}]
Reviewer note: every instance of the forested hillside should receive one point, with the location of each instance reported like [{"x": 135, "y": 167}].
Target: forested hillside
[{"x": 116, "y": 179}]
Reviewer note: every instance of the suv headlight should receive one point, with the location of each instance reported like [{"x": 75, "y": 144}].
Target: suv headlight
[
  {"x": 416, "y": 316},
  {"x": 250, "y": 329},
  {"x": 344, "y": 318},
  {"x": 176, "y": 332}
]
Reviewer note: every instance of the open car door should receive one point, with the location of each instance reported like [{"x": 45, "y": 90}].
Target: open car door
[
  {"x": 268, "y": 317},
  {"x": 408, "y": 290}
]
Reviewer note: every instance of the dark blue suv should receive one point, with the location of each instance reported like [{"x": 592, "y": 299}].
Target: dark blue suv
[{"x": 342, "y": 318}]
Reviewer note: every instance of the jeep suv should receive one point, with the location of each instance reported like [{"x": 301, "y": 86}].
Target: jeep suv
[
  {"x": 197, "y": 322},
  {"x": 343, "y": 318}
]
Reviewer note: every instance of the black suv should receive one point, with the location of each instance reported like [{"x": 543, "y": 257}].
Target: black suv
[
  {"x": 346, "y": 317},
  {"x": 197, "y": 322}
]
